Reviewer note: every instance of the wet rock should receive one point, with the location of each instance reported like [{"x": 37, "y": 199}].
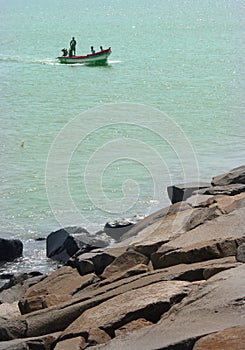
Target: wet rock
[
  {"x": 234, "y": 176},
  {"x": 229, "y": 339},
  {"x": 10, "y": 249},
  {"x": 64, "y": 243},
  {"x": 17, "y": 285},
  {"x": 179, "y": 193},
  {"x": 95, "y": 261},
  {"x": 117, "y": 228}
]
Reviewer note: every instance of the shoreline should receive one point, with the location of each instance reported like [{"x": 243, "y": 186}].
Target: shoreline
[{"x": 159, "y": 284}]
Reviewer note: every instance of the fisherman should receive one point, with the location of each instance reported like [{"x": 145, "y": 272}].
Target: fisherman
[
  {"x": 92, "y": 50},
  {"x": 64, "y": 52},
  {"x": 73, "y": 46},
  {"x": 101, "y": 48}
]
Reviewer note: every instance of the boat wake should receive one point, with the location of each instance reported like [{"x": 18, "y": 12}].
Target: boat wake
[
  {"x": 18, "y": 59},
  {"x": 47, "y": 61}
]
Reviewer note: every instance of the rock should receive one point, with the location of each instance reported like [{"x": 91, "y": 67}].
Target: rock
[
  {"x": 158, "y": 231},
  {"x": 132, "y": 326},
  {"x": 124, "y": 262},
  {"x": 9, "y": 310},
  {"x": 179, "y": 193},
  {"x": 196, "y": 271},
  {"x": 149, "y": 302},
  {"x": 64, "y": 243},
  {"x": 198, "y": 200},
  {"x": 95, "y": 261},
  {"x": 240, "y": 254},
  {"x": 77, "y": 343},
  {"x": 97, "y": 336},
  {"x": 222, "y": 227},
  {"x": 217, "y": 304},
  {"x": 17, "y": 286},
  {"x": 133, "y": 271},
  {"x": 230, "y": 190},
  {"x": 36, "y": 343},
  {"x": 234, "y": 176},
  {"x": 229, "y": 339},
  {"x": 54, "y": 289},
  {"x": 159, "y": 216},
  {"x": 10, "y": 249},
  {"x": 201, "y": 251},
  {"x": 200, "y": 215},
  {"x": 119, "y": 227}
]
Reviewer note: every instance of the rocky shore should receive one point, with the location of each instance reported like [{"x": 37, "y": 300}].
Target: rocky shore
[{"x": 174, "y": 280}]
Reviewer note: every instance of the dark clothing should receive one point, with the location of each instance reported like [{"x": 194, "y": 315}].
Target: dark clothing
[
  {"x": 64, "y": 52},
  {"x": 73, "y": 46}
]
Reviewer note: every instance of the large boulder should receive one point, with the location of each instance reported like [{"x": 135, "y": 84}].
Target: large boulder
[
  {"x": 64, "y": 243},
  {"x": 216, "y": 305},
  {"x": 179, "y": 193},
  {"x": 148, "y": 302},
  {"x": 228, "y": 339},
  {"x": 117, "y": 228},
  {"x": 124, "y": 262},
  {"x": 234, "y": 176},
  {"x": 10, "y": 249},
  {"x": 94, "y": 261},
  {"x": 54, "y": 289}
]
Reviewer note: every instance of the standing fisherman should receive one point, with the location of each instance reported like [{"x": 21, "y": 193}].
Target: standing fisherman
[{"x": 73, "y": 46}]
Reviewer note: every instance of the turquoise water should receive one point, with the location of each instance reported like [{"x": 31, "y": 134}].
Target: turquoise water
[{"x": 182, "y": 58}]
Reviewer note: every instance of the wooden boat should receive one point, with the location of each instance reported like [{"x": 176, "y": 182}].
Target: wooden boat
[{"x": 97, "y": 58}]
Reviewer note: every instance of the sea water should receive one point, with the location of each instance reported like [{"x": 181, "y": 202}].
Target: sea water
[{"x": 83, "y": 145}]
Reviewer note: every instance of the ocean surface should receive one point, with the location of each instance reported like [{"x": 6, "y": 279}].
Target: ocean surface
[{"x": 83, "y": 145}]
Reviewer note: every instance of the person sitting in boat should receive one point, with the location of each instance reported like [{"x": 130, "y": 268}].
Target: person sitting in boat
[
  {"x": 73, "y": 46},
  {"x": 70, "y": 52},
  {"x": 92, "y": 50},
  {"x": 64, "y": 52},
  {"x": 101, "y": 48}
]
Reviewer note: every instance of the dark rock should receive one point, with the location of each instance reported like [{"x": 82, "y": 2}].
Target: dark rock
[
  {"x": 179, "y": 193},
  {"x": 119, "y": 227},
  {"x": 64, "y": 243},
  {"x": 234, "y": 176},
  {"x": 95, "y": 261},
  {"x": 12, "y": 280},
  {"x": 10, "y": 249},
  {"x": 240, "y": 254}
]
